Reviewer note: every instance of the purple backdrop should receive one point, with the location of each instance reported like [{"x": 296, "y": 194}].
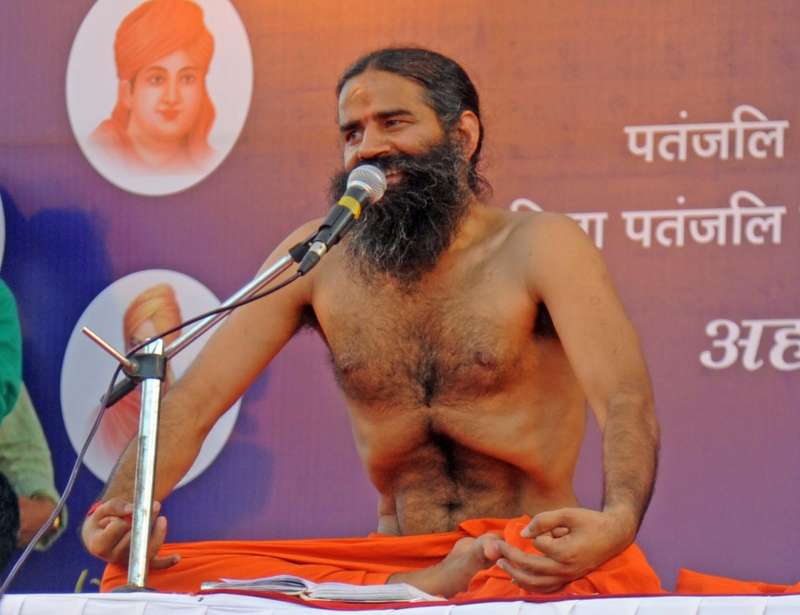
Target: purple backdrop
[{"x": 559, "y": 85}]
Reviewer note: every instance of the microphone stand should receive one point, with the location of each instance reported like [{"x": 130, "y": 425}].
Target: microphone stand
[
  {"x": 365, "y": 184},
  {"x": 149, "y": 368}
]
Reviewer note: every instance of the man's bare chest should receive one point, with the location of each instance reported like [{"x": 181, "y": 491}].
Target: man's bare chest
[{"x": 446, "y": 345}]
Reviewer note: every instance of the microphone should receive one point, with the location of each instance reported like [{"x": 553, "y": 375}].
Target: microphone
[{"x": 365, "y": 185}]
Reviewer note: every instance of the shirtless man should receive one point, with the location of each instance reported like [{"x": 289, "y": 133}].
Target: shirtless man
[{"x": 466, "y": 339}]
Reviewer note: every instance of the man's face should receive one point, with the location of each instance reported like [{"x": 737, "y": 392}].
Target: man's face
[
  {"x": 385, "y": 121},
  {"x": 165, "y": 98},
  {"x": 383, "y": 114}
]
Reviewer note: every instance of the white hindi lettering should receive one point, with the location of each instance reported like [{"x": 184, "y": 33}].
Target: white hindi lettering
[
  {"x": 761, "y": 218},
  {"x": 645, "y": 150},
  {"x": 727, "y": 344},
  {"x": 671, "y": 225},
  {"x": 783, "y": 355},
  {"x": 642, "y": 232},
  {"x": 711, "y": 143},
  {"x": 592, "y": 222},
  {"x": 676, "y": 137},
  {"x": 787, "y": 339},
  {"x": 755, "y": 137},
  {"x": 764, "y": 132},
  {"x": 518, "y": 204},
  {"x": 749, "y": 217}
]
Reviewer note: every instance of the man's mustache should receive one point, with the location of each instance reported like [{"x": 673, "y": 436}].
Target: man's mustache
[{"x": 393, "y": 163}]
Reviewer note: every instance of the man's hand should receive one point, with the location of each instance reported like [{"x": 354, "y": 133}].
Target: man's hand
[
  {"x": 453, "y": 574},
  {"x": 33, "y": 512},
  {"x": 106, "y": 533},
  {"x": 573, "y": 542}
]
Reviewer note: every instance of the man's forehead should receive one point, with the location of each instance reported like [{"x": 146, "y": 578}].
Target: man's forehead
[
  {"x": 376, "y": 91},
  {"x": 178, "y": 59}
]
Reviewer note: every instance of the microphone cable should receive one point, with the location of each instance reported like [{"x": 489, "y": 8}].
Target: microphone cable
[{"x": 79, "y": 461}]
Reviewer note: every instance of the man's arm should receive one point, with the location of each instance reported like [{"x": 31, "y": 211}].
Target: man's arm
[
  {"x": 26, "y": 461},
  {"x": 568, "y": 274},
  {"x": 220, "y": 374}
]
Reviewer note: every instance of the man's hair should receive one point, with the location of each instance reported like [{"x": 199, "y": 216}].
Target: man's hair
[
  {"x": 448, "y": 90},
  {"x": 9, "y": 521}
]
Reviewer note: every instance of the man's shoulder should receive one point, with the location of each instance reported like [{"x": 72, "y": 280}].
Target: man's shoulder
[
  {"x": 541, "y": 230},
  {"x": 544, "y": 247}
]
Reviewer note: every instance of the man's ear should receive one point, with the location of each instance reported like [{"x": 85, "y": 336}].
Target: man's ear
[
  {"x": 469, "y": 132},
  {"x": 125, "y": 93}
]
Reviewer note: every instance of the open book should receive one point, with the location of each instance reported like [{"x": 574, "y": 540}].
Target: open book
[{"x": 345, "y": 592}]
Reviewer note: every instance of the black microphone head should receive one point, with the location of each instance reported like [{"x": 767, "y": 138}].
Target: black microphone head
[{"x": 370, "y": 179}]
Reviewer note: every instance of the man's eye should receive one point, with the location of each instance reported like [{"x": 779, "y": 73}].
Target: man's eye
[
  {"x": 392, "y": 123},
  {"x": 352, "y": 136}
]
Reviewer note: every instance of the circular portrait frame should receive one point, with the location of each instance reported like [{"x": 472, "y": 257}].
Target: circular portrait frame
[
  {"x": 86, "y": 369},
  {"x": 133, "y": 159}
]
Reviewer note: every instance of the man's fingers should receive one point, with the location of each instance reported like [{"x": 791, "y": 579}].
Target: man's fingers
[
  {"x": 119, "y": 553},
  {"x": 559, "y": 532},
  {"x": 104, "y": 542},
  {"x": 157, "y": 538},
  {"x": 159, "y": 563},
  {"x": 532, "y": 582},
  {"x": 491, "y": 549},
  {"x": 536, "y": 564},
  {"x": 105, "y": 521},
  {"x": 547, "y": 522},
  {"x": 553, "y": 548},
  {"x": 107, "y": 534},
  {"x": 115, "y": 507}
]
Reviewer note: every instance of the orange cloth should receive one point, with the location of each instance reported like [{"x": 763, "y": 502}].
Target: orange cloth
[
  {"x": 157, "y": 28},
  {"x": 372, "y": 560},
  {"x": 691, "y": 582},
  {"x": 156, "y": 304}
]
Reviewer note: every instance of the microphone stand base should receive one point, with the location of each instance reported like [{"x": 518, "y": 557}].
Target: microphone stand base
[{"x": 132, "y": 589}]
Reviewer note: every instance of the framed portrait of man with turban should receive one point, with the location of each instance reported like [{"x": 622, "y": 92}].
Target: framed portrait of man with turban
[
  {"x": 154, "y": 101},
  {"x": 129, "y": 311}
]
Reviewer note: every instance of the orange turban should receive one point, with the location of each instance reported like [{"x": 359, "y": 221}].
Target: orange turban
[
  {"x": 156, "y": 29},
  {"x": 121, "y": 423},
  {"x": 156, "y": 304},
  {"x": 153, "y": 30}
]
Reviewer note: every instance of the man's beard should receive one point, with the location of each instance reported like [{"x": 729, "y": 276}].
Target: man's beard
[{"x": 404, "y": 234}]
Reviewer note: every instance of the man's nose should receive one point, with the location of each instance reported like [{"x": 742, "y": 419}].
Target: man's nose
[
  {"x": 373, "y": 145},
  {"x": 172, "y": 93}
]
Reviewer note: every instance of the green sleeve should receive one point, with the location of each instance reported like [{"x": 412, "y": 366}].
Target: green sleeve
[
  {"x": 25, "y": 457},
  {"x": 10, "y": 351}
]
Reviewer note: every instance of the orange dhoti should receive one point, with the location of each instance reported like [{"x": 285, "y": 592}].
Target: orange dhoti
[
  {"x": 372, "y": 560},
  {"x": 691, "y": 582}
]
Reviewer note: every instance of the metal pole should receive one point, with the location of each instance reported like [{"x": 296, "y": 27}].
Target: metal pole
[
  {"x": 145, "y": 475},
  {"x": 148, "y": 427}
]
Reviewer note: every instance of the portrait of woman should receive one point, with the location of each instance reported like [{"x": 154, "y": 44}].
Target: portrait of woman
[{"x": 163, "y": 114}]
